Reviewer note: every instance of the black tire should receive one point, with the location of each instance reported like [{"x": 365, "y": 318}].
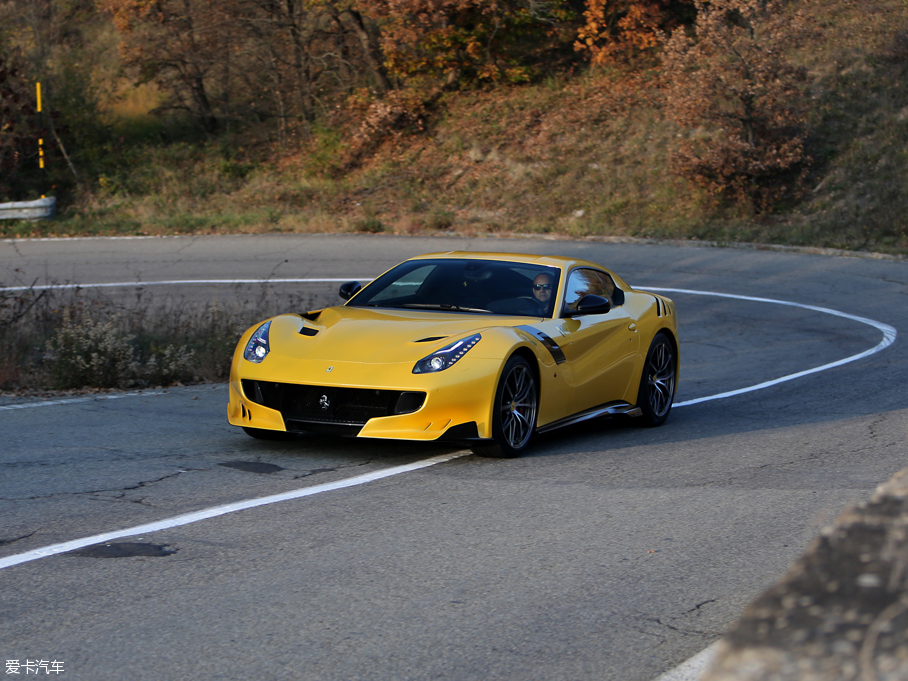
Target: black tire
[
  {"x": 262, "y": 434},
  {"x": 514, "y": 411},
  {"x": 658, "y": 382}
]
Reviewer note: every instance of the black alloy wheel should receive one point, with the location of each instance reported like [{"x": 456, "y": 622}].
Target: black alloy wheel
[
  {"x": 514, "y": 417},
  {"x": 657, "y": 384}
]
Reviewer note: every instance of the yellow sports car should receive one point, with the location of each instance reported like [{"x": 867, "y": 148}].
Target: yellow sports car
[{"x": 488, "y": 348}]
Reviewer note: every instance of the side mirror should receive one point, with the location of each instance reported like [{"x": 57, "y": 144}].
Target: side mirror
[
  {"x": 349, "y": 289},
  {"x": 591, "y": 304}
]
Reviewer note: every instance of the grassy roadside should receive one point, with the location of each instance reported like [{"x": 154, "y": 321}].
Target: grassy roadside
[{"x": 71, "y": 339}]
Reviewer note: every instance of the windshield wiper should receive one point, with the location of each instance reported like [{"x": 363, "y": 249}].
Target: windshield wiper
[{"x": 446, "y": 308}]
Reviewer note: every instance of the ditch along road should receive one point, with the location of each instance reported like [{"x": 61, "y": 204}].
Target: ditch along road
[{"x": 607, "y": 552}]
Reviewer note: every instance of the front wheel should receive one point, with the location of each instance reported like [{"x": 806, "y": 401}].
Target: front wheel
[
  {"x": 657, "y": 384},
  {"x": 514, "y": 415}
]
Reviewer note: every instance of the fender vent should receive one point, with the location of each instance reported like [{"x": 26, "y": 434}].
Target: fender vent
[
  {"x": 308, "y": 331},
  {"x": 430, "y": 339},
  {"x": 663, "y": 308}
]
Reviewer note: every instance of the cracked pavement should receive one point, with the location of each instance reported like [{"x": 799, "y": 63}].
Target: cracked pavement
[{"x": 51, "y": 473}]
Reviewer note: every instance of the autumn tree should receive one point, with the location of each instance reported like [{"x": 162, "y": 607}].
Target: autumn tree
[
  {"x": 59, "y": 47},
  {"x": 311, "y": 54},
  {"x": 17, "y": 131},
  {"x": 185, "y": 46},
  {"x": 287, "y": 60},
  {"x": 469, "y": 41},
  {"x": 731, "y": 86},
  {"x": 625, "y": 29}
]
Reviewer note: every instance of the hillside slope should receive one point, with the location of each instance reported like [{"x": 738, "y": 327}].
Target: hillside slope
[{"x": 582, "y": 154}]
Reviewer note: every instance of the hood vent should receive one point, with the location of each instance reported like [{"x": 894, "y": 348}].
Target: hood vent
[
  {"x": 308, "y": 331},
  {"x": 430, "y": 339}
]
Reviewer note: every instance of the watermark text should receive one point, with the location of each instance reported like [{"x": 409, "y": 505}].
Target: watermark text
[{"x": 35, "y": 666}]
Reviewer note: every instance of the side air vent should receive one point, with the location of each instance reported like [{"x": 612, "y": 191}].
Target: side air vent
[{"x": 663, "y": 308}]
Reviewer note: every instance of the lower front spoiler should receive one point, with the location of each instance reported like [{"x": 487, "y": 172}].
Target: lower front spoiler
[{"x": 459, "y": 433}]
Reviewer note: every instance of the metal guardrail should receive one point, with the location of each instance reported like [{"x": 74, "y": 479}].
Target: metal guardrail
[{"x": 41, "y": 209}]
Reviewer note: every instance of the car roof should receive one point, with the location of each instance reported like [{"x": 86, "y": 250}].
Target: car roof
[{"x": 558, "y": 261}]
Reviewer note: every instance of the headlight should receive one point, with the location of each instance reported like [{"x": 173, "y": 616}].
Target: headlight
[
  {"x": 448, "y": 356},
  {"x": 257, "y": 348}
]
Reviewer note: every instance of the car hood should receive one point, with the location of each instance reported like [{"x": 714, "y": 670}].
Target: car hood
[{"x": 369, "y": 335}]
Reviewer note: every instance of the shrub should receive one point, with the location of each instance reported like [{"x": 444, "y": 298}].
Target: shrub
[
  {"x": 441, "y": 219},
  {"x": 373, "y": 225},
  {"x": 171, "y": 365},
  {"x": 88, "y": 353}
]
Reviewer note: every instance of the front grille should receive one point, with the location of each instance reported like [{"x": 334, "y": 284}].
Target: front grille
[{"x": 329, "y": 405}]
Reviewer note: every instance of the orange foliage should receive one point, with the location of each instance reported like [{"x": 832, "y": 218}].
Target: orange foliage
[
  {"x": 624, "y": 29},
  {"x": 474, "y": 40}
]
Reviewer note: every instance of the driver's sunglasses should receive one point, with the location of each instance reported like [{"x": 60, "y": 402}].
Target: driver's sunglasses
[{"x": 541, "y": 287}]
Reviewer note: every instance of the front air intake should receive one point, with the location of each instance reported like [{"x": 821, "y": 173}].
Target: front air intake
[{"x": 331, "y": 405}]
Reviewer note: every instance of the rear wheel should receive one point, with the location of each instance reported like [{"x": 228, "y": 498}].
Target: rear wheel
[
  {"x": 657, "y": 384},
  {"x": 514, "y": 415}
]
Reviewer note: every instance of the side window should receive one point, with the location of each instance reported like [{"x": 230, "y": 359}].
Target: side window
[
  {"x": 583, "y": 282},
  {"x": 609, "y": 286}
]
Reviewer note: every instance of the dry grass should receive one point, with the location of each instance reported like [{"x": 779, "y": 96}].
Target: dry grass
[{"x": 65, "y": 339}]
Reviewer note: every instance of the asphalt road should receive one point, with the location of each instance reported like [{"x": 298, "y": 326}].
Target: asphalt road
[{"x": 607, "y": 552}]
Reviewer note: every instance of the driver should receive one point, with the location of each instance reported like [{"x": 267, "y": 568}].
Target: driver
[{"x": 542, "y": 290}]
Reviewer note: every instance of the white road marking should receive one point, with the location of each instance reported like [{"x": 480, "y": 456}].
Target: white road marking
[
  {"x": 693, "y": 668},
  {"x": 204, "y": 514},
  {"x": 889, "y": 336},
  {"x": 93, "y": 398},
  {"x": 66, "y": 239},
  {"x": 174, "y": 282}
]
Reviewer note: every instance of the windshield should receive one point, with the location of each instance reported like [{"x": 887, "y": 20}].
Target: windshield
[{"x": 472, "y": 286}]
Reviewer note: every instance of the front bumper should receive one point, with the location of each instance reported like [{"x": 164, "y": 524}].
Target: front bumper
[{"x": 456, "y": 397}]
